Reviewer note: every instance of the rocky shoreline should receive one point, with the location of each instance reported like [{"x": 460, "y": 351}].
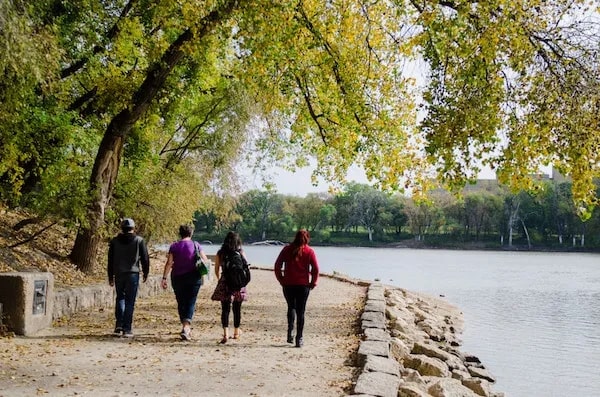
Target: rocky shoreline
[{"x": 411, "y": 346}]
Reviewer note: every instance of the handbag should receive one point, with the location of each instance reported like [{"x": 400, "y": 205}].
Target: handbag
[{"x": 201, "y": 267}]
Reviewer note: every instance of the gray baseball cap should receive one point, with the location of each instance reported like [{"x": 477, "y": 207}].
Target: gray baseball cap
[{"x": 127, "y": 223}]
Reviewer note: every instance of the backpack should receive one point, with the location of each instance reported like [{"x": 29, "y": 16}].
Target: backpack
[{"x": 235, "y": 271}]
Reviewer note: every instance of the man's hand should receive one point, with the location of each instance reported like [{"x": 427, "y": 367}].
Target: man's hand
[{"x": 111, "y": 283}]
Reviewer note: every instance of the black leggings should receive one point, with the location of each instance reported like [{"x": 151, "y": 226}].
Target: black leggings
[
  {"x": 237, "y": 313},
  {"x": 296, "y": 297}
]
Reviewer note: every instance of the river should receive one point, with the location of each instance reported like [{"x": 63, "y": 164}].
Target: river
[{"x": 532, "y": 318}]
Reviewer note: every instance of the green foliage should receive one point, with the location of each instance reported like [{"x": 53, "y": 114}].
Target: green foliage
[
  {"x": 144, "y": 108},
  {"x": 514, "y": 84},
  {"x": 480, "y": 219}
]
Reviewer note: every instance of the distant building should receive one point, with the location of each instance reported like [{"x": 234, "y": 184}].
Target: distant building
[
  {"x": 558, "y": 177},
  {"x": 492, "y": 186}
]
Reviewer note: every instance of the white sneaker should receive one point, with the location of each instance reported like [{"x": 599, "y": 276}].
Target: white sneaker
[{"x": 186, "y": 333}]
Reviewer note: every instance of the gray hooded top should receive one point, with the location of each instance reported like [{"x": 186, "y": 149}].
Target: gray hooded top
[{"x": 125, "y": 253}]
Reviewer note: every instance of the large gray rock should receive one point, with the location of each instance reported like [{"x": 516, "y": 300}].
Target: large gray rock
[
  {"x": 448, "y": 387},
  {"x": 382, "y": 364},
  {"x": 399, "y": 349},
  {"x": 433, "y": 350},
  {"x": 377, "y": 335},
  {"x": 375, "y": 306},
  {"x": 410, "y": 390},
  {"x": 376, "y": 317},
  {"x": 365, "y": 324},
  {"x": 375, "y": 292},
  {"x": 375, "y": 348},
  {"x": 432, "y": 328},
  {"x": 479, "y": 386},
  {"x": 410, "y": 375},
  {"x": 402, "y": 325},
  {"x": 460, "y": 374},
  {"x": 377, "y": 384},
  {"x": 427, "y": 366},
  {"x": 393, "y": 313},
  {"x": 481, "y": 373}
]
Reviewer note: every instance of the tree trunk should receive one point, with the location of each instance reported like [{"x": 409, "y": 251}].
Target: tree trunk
[
  {"x": 85, "y": 249},
  {"x": 103, "y": 179},
  {"x": 512, "y": 218},
  {"x": 108, "y": 159},
  {"x": 526, "y": 234}
]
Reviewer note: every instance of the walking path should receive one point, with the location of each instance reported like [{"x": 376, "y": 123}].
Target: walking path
[{"x": 79, "y": 356}]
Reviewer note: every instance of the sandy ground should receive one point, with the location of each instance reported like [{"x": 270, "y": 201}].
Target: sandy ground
[{"x": 79, "y": 356}]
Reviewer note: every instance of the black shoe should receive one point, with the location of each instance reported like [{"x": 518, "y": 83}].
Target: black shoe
[
  {"x": 299, "y": 342},
  {"x": 290, "y": 337},
  {"x": 118, "y": 331}
]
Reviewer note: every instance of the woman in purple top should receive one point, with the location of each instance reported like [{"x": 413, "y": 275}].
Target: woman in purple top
[{"x": 185, "y": 279}]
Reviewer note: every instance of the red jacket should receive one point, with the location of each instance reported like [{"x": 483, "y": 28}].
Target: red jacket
[{"x": 303, "y": 270}]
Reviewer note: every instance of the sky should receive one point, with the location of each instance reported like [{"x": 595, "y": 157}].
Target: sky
[{"x": 298, "y": 183}]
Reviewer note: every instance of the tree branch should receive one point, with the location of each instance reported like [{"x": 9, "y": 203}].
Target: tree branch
[
  {"x": 306, "y": 95},
  {"x": 33, "y": 237},
  {"x": 111, "y": 34}
]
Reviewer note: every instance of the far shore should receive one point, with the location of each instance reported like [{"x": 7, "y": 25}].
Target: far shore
[{"x": 412, "y": 244}]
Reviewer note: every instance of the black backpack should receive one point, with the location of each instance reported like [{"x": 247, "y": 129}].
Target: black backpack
[{"x": 235, "y": 271}]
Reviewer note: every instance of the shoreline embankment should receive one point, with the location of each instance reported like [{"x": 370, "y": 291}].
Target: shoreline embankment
[{"x": 410, "y": 347}]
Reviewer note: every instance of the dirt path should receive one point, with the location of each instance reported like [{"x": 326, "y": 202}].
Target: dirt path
[{"x": 80, "y": 356}]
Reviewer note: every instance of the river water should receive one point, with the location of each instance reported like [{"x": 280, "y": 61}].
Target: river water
[{"x": 532, "y": 318}]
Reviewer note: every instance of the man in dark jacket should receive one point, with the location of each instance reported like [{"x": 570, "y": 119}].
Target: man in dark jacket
[{"x": 125, "y": 254}]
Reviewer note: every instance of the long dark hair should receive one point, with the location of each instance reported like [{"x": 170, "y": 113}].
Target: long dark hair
[
  {"x": 301, "y": 239},
  {"x": 232, "y": 242}
]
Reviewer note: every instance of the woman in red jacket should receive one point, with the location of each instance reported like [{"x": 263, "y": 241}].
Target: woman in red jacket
[{"x": 297, "y": 271}]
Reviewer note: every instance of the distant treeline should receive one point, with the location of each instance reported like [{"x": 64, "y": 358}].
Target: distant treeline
[{"x": 486, "y": 218}]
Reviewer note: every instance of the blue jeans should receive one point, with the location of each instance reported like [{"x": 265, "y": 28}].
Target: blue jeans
[
  {"x": 186, "y": 287},
  {"x": 126, "y": 287}
]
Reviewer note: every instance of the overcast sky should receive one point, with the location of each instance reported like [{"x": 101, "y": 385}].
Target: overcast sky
[{"x": 298, "y": 183}]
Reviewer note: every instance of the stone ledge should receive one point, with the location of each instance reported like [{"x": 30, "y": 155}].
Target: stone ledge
[
  {"x": 69, "y": 301},
  {"x": 380, "y": 373},
  {"x": 377, "y": 384}
]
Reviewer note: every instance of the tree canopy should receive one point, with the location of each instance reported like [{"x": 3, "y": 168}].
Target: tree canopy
[{"x": 121, "y": 107}]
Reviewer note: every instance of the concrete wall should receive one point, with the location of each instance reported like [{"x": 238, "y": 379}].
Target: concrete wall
[
  {"x": 72, "y": 300},
  {"x": 27, "y": 302},
  {"x": 18, "y": 292}
]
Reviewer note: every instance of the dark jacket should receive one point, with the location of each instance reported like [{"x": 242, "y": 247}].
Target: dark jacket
[{"x": 125, "y": 253}]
